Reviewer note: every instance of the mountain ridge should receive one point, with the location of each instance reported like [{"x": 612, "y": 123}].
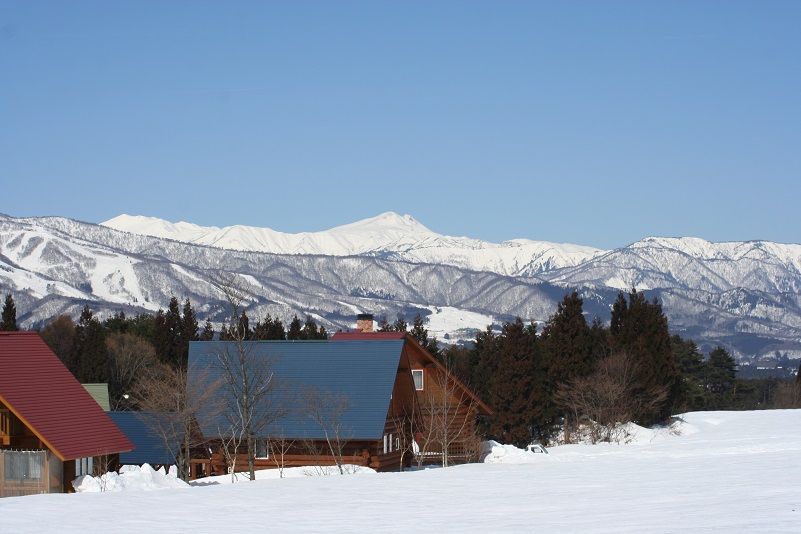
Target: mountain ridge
[{"x": 744, "y": 296}]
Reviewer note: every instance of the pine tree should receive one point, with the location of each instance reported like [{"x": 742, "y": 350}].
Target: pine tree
[
  {"x": 116, "y": 324},
  {"x": 269, "y": 329},
  {"x": 691, "y": 365},
  {"x": 174, "y": 329},
  {"x": 243, "y": 327},
  {"x": 90, "y": 354},
  {"x": 400, "y": 325},
  {"x": 161, "y": 337},
  {"x": 9, "y": 315},
  {"x": 721, "y": 373},
  {"x": 483, "y": 362},
  {"x": 420, "y": 333},
  {"x": 187, "y": 333},
  {"x": 567, "y": 347},
  {"x": 511, "y": 387},
  {"x": 640, "y": 329},
  {"x": 208, "y": 331},
  {"x": 294, "y": 329}
]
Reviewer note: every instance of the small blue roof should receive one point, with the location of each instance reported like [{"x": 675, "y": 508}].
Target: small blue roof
[
  {"x": 363, "y": 371},
  {"x": 150, "y": 449}
]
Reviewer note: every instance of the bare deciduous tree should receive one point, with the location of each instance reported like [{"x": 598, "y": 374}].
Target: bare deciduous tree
[
  {"x": 788, "y": 395},
  {"x": 250, "y": 390},
  {"x": 610, "y": 396},
  {"x": 327, "y": 410},
  {"x": 130, "y": 358},
  {"x": 171, "y": 406},
  {"x": 279, "y": 447},
  {"x": 447, "y": 410}
]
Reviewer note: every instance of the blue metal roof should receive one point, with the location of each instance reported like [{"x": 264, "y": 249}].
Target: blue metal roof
[
  {"x": 150, "y": 449},
  {"x": 363, "y": 371}
]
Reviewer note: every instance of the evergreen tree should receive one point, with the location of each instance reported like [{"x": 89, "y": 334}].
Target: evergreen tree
[
  {"x": 269, "y": 329},
  {"x": 567, "y": 347},
  {"x": 484, "y": 362},
  {"x": 276, "y": 330},
  {"x": 174, "y": 331},
  {"x": 640, "y": 329},
  {"x": 720, "y": 379},
  {"x": 187, "y": 333},
  {"x": 420, "y": 333},
  {"x": 9, "y": 315},
  {"x": 142, "y": 325},
  {"x": 161, "y": 336},
  {"x": 400, "y": 325},
  {"x": 312, "y": 331},
  {"x": 294, "y": 332},
  {"x": 384, "y": 326},
  {"x": 691, "y": 365},
  {"x": 116, "y": 324},
  {"x": 243, "y": 327},
  {"x": 511, "y": 387},
  {"x": 208, "y": 331},
  {"x": 90, "y": 354}
]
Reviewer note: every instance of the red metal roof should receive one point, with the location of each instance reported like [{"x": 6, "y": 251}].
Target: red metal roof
[
  {"x": 360, "y": 336},
  {"x": 38, "y": 389}
]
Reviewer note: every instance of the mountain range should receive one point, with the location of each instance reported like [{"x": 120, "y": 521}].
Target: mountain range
[{"x": 744, "y": 296}]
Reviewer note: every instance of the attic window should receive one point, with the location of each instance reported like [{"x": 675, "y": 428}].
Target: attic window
[{"x": 417, "y": 376}]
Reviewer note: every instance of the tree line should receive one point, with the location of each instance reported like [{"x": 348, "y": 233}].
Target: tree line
[
  {"x": 537, "y": 382},
  {"x": 572, "y": 373}
]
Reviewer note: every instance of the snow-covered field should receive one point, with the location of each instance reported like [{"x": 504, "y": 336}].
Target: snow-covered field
[{"x": 727, "y": 472}]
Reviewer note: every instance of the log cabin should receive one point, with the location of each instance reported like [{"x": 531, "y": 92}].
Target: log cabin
[
  {"x": 51, "y": 429},
  {"x": 375, "y": 399}
]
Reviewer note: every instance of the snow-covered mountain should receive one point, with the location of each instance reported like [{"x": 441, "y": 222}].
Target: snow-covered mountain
[
  {"x": 389, "y": 236},
  {"x": 744, "y": 296}
]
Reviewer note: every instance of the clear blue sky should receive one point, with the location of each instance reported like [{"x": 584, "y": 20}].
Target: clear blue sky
[{"x": 595, "y": 123}]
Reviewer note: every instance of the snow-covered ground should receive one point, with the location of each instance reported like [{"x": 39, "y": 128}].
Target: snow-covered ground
[{"x": 727, "y": 472}]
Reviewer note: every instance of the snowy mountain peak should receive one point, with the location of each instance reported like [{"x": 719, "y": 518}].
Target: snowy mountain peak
[{"x": 389, "y": 235}]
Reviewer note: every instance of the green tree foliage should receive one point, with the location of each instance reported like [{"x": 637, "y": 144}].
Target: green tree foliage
[
  {"x": 9, "y": 315},
  {"x": 269, "y": 329},
  {"x": 208, "y": 331},
  {"x": 172, "y": 333},
  {"x": 512, "y": 387},
  {"x": 720, "y": 379},
  {"x": 420, "y": 333},
  {"x": 640, "y": 329},
  {"x": 691, "y": 364},
  {"x": 401, "y": 325},
  {"x": 89, "y": 358},
  {"x": 567, "y": 347},
  {"x": 484, "y": 362},
  {"x": 188, "y": 332},
  {"x": 310, "y": 330},
  {"x": 295, "y": 328},
  {"x": 116, "y": 324}
]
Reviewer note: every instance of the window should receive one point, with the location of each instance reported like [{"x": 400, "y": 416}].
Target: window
[
  {"x": 262, "y": 449},
  {"x": 417, "y": 375},
  {"x": 83, "y": 466}
]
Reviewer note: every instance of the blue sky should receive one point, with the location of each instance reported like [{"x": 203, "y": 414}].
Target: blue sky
[{"x": 595, "y": 123}]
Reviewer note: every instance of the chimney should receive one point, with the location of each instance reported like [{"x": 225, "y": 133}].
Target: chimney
[{"x": 364, "y": 322}]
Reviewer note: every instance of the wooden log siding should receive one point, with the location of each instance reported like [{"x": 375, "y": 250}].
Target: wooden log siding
[
  {"x": 216, "y": 465},
  {"x": 29, "y": 473}
]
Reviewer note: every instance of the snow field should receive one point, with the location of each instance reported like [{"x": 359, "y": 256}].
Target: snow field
[{"x": 727, "y": 472}]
